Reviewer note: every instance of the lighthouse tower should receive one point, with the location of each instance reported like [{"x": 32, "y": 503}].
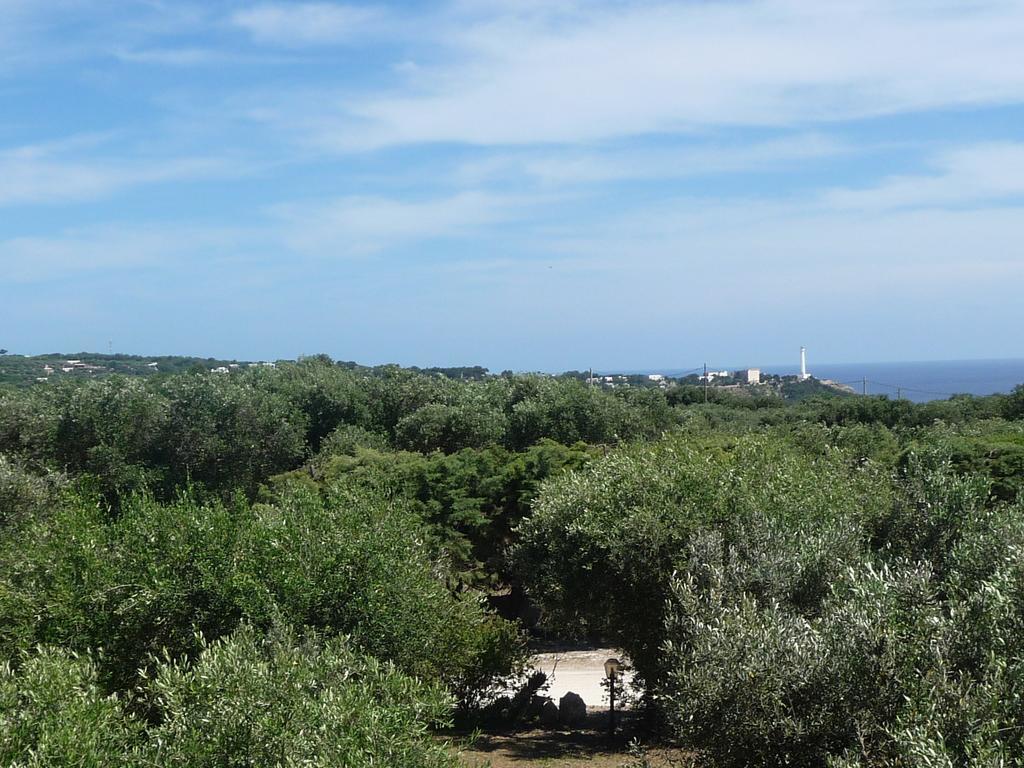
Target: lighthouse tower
[{"x": 803, "y": 364}]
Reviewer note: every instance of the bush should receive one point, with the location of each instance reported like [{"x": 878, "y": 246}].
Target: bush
[
  {"x": 24, "y": 494},
  {"x": 145, "y": 583},
  {"x": 787, "y": 606},
  {"x": 603, "y": 544},
  {"x": 359, "y": 564},
  {"x": 251, "y": 700},
  {"x": 755, "y": 683},
  {"x": 53, "y": 712},
  {"x": 247, "y": 699}
]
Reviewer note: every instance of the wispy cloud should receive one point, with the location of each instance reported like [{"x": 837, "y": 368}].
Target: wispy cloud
[
  {"x": 174, "y": 57},
  {"x": 608, "y": 70},
  {"x": 61, "y": 31},
  {"x": 107, "y": 248},
  {"x": 796, "y": 255},
  {"x": 572, "y": 166},
  {"x": 49, "y": 173},
  {"x": 971, "y": 175},
  {"x": 296, "y": 24},
  {"x": 355, "y": 226}
]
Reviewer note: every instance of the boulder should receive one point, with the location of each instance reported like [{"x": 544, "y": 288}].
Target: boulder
[
  {"x": 536, "y": 705},
  {"x": 549, "y": 714},
  {"x": 572, "y": 711},
  {"x": 498, "y": 710}
]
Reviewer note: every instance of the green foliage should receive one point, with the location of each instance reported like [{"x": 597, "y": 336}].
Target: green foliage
[
  {"x": 798, "y": 391},
  {"x": 134, "y": 586},
  {"x": 247, "y": 699},
  {"x": 449, "y": 428},
  {"x": 24, "y": 494},
  {"x": 568, "y": 411},
  {"x": 225, "y": 432},
  {"x": 604, "y": 543},
  {"x": 250, "y": 700},
  {"x": 785, "y": 603},
  {"x": 471, "y": 499},
  {"x": 992, "y": 450},
  {"x": 146, "y": 582},
  {"x": 53, "y": 713},
  {"x": 348, "y": 439},
  {"x": 838, "y": 581},
  {"x": 355, "y": 563},
  {"x": 327, "y": 398},
  {"x": 228, "y": 434}
]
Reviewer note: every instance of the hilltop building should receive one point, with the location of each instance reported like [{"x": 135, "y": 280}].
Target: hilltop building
[
  {"x": 749, "y": 376},
  {"x": 712, "y": 375}
]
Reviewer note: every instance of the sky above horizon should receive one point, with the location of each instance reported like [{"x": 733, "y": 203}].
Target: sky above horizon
[{"x": 531, "y": 184}]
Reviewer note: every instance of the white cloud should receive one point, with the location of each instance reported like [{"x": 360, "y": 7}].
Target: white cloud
[
  {"x": 45, "y": 173},
  {"x": 62, "y": 31},
  {"x": 968, "y": 175},
  {"x": 173, "y": 57},
  {"x": 365, "y": 225},
  {"x": 557, "y": 167},
  {"x": 603, "y": 71},
  {"x": 768, "y": 256},
  {"x": 295, "y": 24},
  {"x": 114, "y": 247}
]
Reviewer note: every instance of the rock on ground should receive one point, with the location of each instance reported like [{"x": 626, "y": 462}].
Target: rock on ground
[{"x": 572, "y": 710}]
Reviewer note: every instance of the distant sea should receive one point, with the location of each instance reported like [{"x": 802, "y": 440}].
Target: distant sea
[{"x": 918, "y": 381}]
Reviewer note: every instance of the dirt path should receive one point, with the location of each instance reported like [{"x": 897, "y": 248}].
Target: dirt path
[
  {"x": 589, "y": 746},
  {"x": 581, "y": 672}
]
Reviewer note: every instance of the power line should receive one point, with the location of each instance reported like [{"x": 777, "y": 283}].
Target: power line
[{"x": 901, "y": 388}]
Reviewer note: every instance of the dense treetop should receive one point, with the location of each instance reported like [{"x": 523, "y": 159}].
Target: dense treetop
[{"x": 835, "y": 581}]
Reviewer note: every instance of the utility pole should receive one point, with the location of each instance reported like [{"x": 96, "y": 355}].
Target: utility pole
[
  {"x": 865, "y": 386},
  {"x": 705, "y": 382},
  {"x": 899, "y": 393},
  {"x": 591, "y": 377}
]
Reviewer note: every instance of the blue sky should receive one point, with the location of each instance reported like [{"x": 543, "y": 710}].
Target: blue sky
[{"x": 521, "y": 184}]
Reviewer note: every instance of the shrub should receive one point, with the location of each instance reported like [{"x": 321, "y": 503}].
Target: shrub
[
  {"x": 603, "y": 544},
  {"x": 146, "y": 582},
  {"x": 24, "y": 494},
  {"x": 359, "y": 564},
  {"x": 53, "y": 712},
  {"x": 247, "y": 699},
  {"x": 254, "y": 700}
]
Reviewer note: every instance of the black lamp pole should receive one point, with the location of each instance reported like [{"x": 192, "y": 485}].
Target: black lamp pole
[
  {"x": 611, "y": 669},
  {"x": 611, "y": 711}
]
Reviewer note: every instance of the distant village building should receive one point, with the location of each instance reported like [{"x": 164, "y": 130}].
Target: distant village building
[
  {"x": 712, "y": 375},
  {"x": 749, "y": 376},
  {"x": 655, "y": 377}
]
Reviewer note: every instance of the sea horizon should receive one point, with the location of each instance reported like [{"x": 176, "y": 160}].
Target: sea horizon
[{"x": 916, "y": 380}]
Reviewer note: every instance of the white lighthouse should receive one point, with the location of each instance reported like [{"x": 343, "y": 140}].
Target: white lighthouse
[{"x": 803, "y": 364}]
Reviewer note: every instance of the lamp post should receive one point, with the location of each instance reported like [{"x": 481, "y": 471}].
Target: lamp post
[{"x": 611, "y": 671}]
